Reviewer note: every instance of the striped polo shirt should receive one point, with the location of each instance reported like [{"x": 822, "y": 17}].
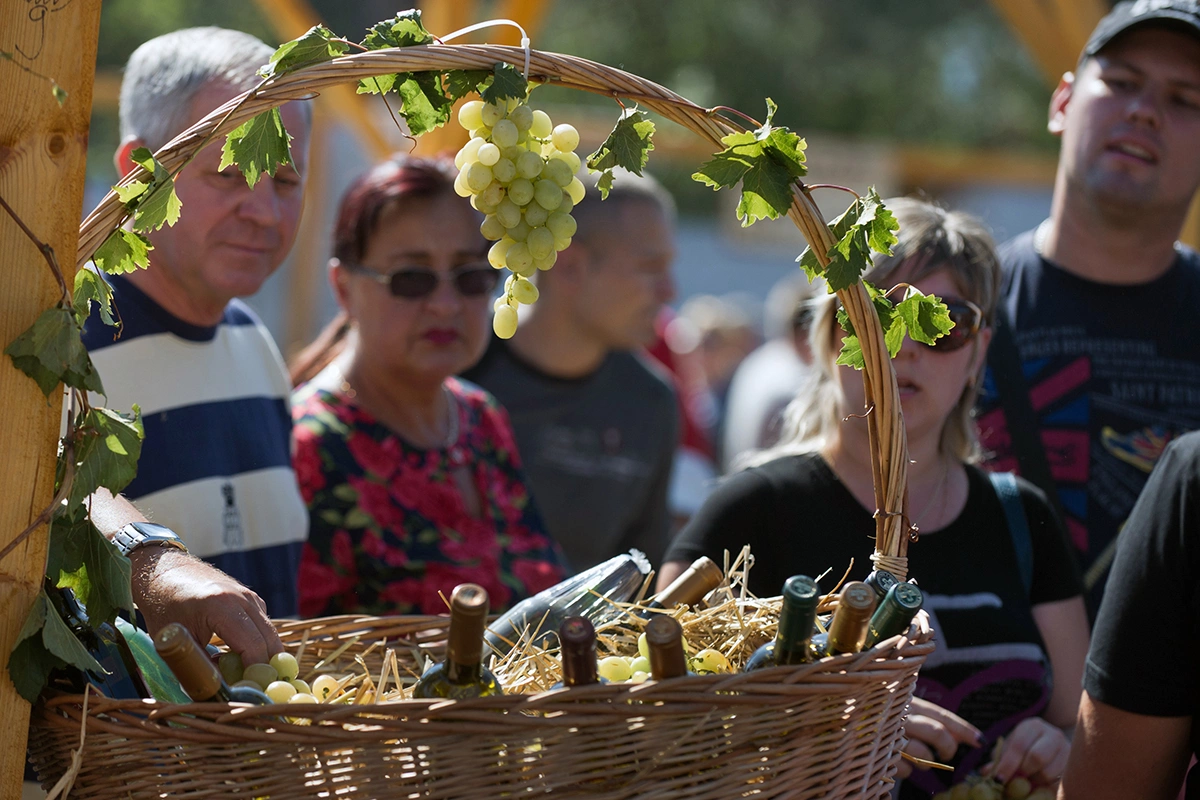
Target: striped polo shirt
[{"x": 216, "y": 462}]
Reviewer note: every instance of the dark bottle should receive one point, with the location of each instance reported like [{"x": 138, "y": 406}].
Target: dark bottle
[
  {"x": 689, "y": 588},
  {"x": 197, "y": 673},
  {"x": 848, "y": 630},
  {"x": 894, "y": 614},
  {"x": 881, "y": 580},
  {"x": 664, "y": 637},
  {"x": 462, "y": 674},
  {"x": 577, "y": 638},
  {"x": 797, "y": 621},
  {"x": 120, "y": 678}
]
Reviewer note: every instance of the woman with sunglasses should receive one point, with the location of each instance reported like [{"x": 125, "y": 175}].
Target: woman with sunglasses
[
  {"x": 1010, "y": 648},
  {"x": 411, "y": 477}
]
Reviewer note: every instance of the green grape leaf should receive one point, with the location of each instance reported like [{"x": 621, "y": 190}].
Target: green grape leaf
[
  {"x": 91, "y": 288},
  {"x": 403, "y": 30},
  {"x": 604, "y": 185},
  {"x": 30, "y": 664},
  {"x": 81, "y": 559},
  {"x": 60, "y": 94},
  {"x": 106, "y": 453},
  {"x": 507, "y": 81},
  {"x": 767, "y": 161},
  {"x": 426, "y": 106},
  {"x": 317, "y": 45},
  {"x": 627, "y": 147},
  {"x": 380, "y": 84},
  {"x": 925, "y": 316},
  {"x": 123, "y": 251},
  {"x": 50, "y": 351},
  {"x": 59, "y": 640},
  {"x": 157, "y": 204},
  {"x": 867, "y": 225},
  {"x": 851, "y": 354},
  {"x": 131, "y": 192},
  {"x": 461, "y": 82},
  {"x": 259, "y": 145}
]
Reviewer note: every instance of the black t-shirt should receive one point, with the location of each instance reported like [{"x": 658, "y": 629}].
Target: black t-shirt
[
  {"x": 990, "y": 666},
  {"x": 1145, "y": 653},
  {"x": 1113, "y": 374}
]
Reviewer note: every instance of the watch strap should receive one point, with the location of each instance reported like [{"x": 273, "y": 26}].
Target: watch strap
[{"x": 141, "y": 534}]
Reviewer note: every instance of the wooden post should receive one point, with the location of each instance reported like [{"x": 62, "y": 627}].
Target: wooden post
[{"x": 43, "y": 151}]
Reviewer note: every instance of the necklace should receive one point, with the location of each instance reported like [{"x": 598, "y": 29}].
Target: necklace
[
  {"x": 452, "y": 423},
  {"x": 937, "y": 491}
]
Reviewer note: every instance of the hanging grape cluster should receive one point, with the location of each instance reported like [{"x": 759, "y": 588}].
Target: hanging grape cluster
[{"x": 519, "y": 170}]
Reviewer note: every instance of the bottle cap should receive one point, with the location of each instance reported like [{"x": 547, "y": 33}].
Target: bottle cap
[
  {"x": 198, "y": 676},
  {"x": 858, "y": 598},
  {"x": 577, "y": 637},
  {"x": 690, "y": 587},
  {"x": 908, "y": 596},
  {"x": 801, "y": 589},
  {"x": 848, "y": 630},
  {"x": 468, "y": 617}
]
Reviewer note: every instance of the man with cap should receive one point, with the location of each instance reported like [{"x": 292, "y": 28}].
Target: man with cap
[{"x": 1102, "y": 300}]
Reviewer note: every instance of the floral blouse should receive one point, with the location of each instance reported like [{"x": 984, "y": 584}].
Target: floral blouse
[{"x": 389, "y": 528}]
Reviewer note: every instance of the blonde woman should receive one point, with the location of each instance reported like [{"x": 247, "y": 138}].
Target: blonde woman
[{"x": 1011, "y": 645}]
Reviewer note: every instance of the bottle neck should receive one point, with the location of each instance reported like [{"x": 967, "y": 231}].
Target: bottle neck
[
  {"x": 464, "y": 646},
  {"x": 579, "y": 664},
  {"x": 691, "y": 586},
  {"x": 796, "y": 625},
  {"x": 198, "y": 676}
]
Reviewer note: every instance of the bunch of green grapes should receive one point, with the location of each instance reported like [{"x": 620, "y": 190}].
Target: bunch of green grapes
[
  {"x": 279, "y": 679},
  {"x": 980, "y": 788},
  {"x": 519, "y": 170},
  {"x": 636, "y": 669}
]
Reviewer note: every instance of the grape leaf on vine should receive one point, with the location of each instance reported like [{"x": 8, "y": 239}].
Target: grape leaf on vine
[
  {"x": 507, "y": 81},
  {"x": 156, "y": 204},
  {"x": 628, "y": 146},
  {"x": 426, "y": 105},
  {"x": 767, "y": 161},
  {"x": 106, "y": 453},
  {"x": 317, "y": 45},
  {"x": 81, "y": 559},
  {"x": 403, "y": 30},
  {"x": 45, "y": 643},
  {"x": 91, "y": 288},
  {"x": 50, "y": 351},
  {"x": 259, "y": 145},
  {"x": 867, "y": 225},
  {"x": 461, "y": 82},
  {"x": 922, "y": 317},
  {"x": 925, "y": 316},
  {"x": 123, "y": 251}
]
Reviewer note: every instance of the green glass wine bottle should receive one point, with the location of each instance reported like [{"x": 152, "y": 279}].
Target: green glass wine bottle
[
  {"x": 797, "y": 621},
  {"x": 894, "y": 614},
  {"x": 462, "y": 674}
]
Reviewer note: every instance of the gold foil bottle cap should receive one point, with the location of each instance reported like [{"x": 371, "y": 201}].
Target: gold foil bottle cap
[
  {"x": 468, "y": 618},
  {"x": 692, "y": 585},
  {"x": 198, "y": 676}
]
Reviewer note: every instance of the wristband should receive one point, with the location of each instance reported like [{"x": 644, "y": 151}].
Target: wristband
[{"x": 141, "y": 534}]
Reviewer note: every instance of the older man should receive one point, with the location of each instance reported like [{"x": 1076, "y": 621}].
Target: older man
[{"x": 212, "y": 387}]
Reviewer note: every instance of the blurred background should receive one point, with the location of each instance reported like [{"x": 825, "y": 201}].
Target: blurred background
[{"x": 942, "y": 98}]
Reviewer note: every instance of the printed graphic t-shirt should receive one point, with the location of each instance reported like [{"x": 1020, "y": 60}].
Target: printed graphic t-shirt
[{"x": 1113, "y": 374}]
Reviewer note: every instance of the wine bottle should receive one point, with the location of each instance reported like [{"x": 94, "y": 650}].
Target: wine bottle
[
  {"x": 197, "y": 673},
  {"x": 577, "y": 637},
  {"x": 592, "y": 594},
  {"x": 462, "y": 674},
  {"x": 881, "y": 580},
  {"x": 894, "y": 614},
  {"x": 119, "y": 678},
  {"x": 797, "y": 621},
  {"x": 664, "y": 637},
  {"x": 160, "y": 680},
  {"x": 688, "y": 589},
  {"x": 848, "y": 630}
]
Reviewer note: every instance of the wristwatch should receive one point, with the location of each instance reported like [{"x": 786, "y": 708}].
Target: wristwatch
[{"x": 142, "y": 534}]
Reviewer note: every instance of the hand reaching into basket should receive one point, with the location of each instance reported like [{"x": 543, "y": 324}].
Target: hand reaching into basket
[
  {"x": 934, "y": 734},
  {"x": 1035, "y": 749}
]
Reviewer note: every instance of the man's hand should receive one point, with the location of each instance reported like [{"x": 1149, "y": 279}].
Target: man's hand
[
  {"x": 935, "y": 733},
  {"x": 1035, "y": 749},
  {"x": 172, "y": 586}
]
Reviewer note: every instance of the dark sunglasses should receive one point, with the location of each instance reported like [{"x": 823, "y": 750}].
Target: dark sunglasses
[
  {"x": 968, "y": 320},
  {"x": 470, "y": 280}
]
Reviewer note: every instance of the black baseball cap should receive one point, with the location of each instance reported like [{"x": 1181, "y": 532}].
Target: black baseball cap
[{"x": 1182, "y": 14}]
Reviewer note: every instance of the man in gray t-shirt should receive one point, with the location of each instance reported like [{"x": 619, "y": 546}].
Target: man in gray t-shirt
[{"x": 597, "y": 427}]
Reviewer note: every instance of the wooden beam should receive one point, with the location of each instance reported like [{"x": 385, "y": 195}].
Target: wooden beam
[
  {"x": 43, "y": 155},
  {"x": 1054, "y": 31},
  {"x": 1191, "y": 228}
]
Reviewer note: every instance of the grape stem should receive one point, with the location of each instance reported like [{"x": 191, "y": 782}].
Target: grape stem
[
  {"x": 833, "y": 186},
  {"x": 711, "y": 111}
]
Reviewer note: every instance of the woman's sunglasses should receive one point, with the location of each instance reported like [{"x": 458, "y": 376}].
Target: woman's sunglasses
[
  {"x": 470, "y": 280},
  {"x": 968, "y": 320}
]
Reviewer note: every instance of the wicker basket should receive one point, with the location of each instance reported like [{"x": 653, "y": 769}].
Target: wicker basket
[{"x": 830, "y": 730}]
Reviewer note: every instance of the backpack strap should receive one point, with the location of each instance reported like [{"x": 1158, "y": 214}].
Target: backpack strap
[{"x": 1005, "y": 484}]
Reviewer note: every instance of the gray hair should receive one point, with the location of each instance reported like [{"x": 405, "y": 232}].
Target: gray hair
[
  {"x": 165, "y": 74},
  {"x": 932, "y": 239}
]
